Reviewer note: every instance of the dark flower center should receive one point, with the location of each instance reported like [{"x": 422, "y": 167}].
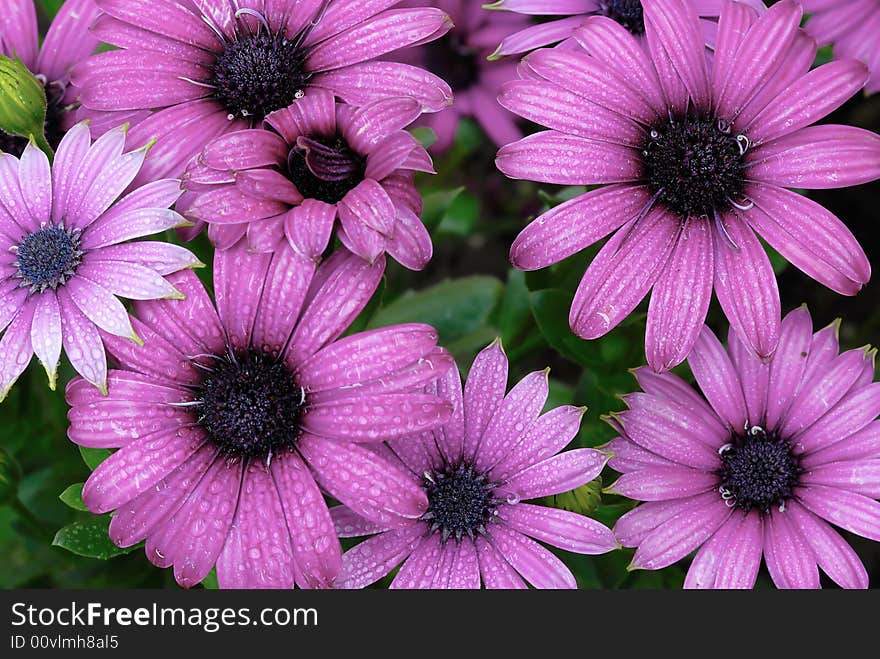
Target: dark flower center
[
  {"x": 259, "y": 74},
  {"x": 758, "y": 471},
  {"x": 694, "y": 165},
  {"x": 454, "y": 61},
  {"x": 325, "y": 168},
  {"x": 460, "y": 501},
  {"x": 52, "y": 129},
  {"x": 48, "y": 258},
  {"x": 626, "y": 12},
  {"x": 250, "y": 405}
]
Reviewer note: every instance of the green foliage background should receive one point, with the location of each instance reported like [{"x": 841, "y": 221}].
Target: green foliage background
[{"x": 471, "y": 295}]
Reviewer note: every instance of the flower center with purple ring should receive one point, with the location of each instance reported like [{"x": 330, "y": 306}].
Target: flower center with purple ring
[
  {"x": 695, "y": 166},
  {"x": 259, "y": 74},
  {"x": 325, "y": 168},
  {"x": 626, "y": 12},
  {"x": 460, "y": 501},
  {"x": 52, "y": 128},
  {"x": 758, "y": 470},
  {"x": 48, "y": 258},
  {"x": 250, "y": 405},
  {"x": 454, "y": 61}
]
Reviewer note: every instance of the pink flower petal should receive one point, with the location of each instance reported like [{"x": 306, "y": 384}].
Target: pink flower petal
[
  {"x": 745, "y": 285},
  {"x": 257, "y": 552},
  {"x": 560, "y": 473},
  {"x": 375, "y": 557},
  {"x": 316, "y": 549},
  {"x": 512, "y": 418},
  {"x": 560, "y": 528},
  {"x": 675, "y": 538},
  {"x": 139, "y": 466},
  {"x": 789, "y": 558},
  {"x": 834, "y": 555},
  {"x": 369, "y": 485},
  {"x": 537, "y": 565},
  {"x": 680, "y": 299}
]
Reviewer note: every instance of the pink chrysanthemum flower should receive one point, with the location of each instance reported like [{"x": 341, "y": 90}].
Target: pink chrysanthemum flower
[
  {"x": 188, "y": 71},
  {"x": 315, "y": 162},
  {"x": 628, "y": 13},
  {"x": 64, "y": 259},
  {"x": 67, "y": 43},
  {"x": 853, "y": 27},
  {"x": 230, "y": 423},
  {"x": 461, "y": 59},
  {"x": 494, "y": 452},
  {"x": 698, "y": 162},
  {"x": 775, "y": 454}
]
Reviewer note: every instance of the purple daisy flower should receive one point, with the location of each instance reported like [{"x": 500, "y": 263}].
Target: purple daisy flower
[
  {"x": 191, "y": 70},
  {"x": 494, "y": 452},
  {"x": 775, "y": 454},
  {"x": 64, "y": 259},
  {"x": 67, "y": 43},
  {"x": 698, "y": 162},
  {"x": 853, "y": 27},
  {"x": 315, "y": 162},
  {"x": 461, "y": 58},
  {"x": 230, "y": 423},
  {"x": 628, "y": 13}
]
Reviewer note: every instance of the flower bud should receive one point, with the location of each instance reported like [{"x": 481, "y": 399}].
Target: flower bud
[{"x": 22, "y": 102}]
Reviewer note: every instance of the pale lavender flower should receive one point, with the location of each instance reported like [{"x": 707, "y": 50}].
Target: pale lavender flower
[{"x": 64, "y": 256}]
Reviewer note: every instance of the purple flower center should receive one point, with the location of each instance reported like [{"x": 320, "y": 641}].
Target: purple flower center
[
  {"x": 758, "y": 470},
  {"x": 52, "y": 129},
  {"x": 258, "y": 74},
  {"x": 250, "y": 405},
  {"x": 48, "y": 258},
  {"x": 454, "y": 61},
  {"x": 694, "y": 166},
  {"x": 626, "y": 12},
  {"x": 325, "y": 168},
  {"x": 460, "y": 501}
]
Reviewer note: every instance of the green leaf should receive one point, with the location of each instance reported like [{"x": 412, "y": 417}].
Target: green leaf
[
  {"x": 516, "y": 313},
  {"x": 72, "y": 496},
  {"x": 468, "y": 136},
  {"x": 461, "y": 216},
  {"x": 51, "y": 7},
  {"x": 608, "y": 514},
  {"x": 436, "y": 205},
  {"x": 426, "y": 136},
  {"x": 455, "y": 307},
  {"x": 561, "y": 393},
  {"x": 94, "y": 456},
  {"x": 210, "y": 582},
  {"x": 89, "y": 539}
]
